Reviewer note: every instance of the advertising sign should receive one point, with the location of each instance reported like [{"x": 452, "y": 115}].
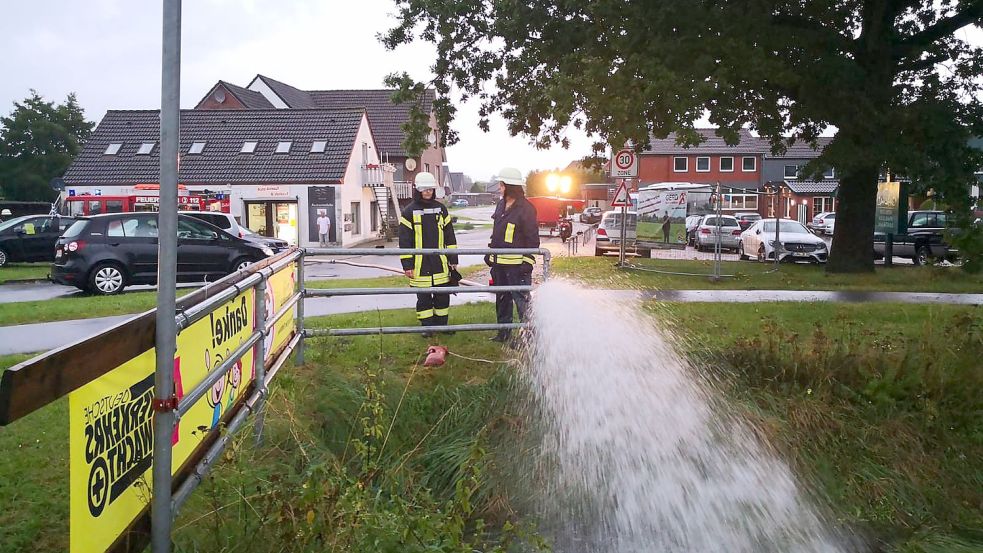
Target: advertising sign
[
  {"x": 662, "y": 215},
  {"x": 321, "y": 202},
  {"x": 891, "y": 216},
  {"x": 111, "y": 419}
]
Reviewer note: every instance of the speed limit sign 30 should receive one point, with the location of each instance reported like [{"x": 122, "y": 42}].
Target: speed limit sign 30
[{"x": 625, "y": 164}]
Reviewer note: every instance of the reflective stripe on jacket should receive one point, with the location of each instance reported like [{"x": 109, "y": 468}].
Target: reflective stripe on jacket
[
  {"x": 515, "y": 227},
  {"x": 427, "y": 225}
]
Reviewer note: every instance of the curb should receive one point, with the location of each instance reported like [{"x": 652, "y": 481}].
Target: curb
[{"x": 24, "y": 281}]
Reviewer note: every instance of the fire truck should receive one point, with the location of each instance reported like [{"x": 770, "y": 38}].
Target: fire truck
[{"x": 145, "y": 198}]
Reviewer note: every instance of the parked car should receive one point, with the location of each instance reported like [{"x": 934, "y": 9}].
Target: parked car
[
  {"x": 924, "y": 241},
  {"x": 797, "y": 243},
  {"x": 830, "y": 225},
  {"x": 746, "y": 219},
  {"x": 106, "y": 253},
  {"x": 228, "y": 223},
  {"x": 460, "y": 202},
  {"x": 609, "y": 234},
  {"x": 31, "y": 237},
  {"x": 819, "y": 221},
  {"x": 692, "y": 223},
  {"x": 712, "y": 226},
  {"x": 591, "y": 215}
]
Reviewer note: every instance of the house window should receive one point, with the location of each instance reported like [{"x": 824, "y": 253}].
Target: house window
[
  {"x": 702, "y": 165},
  {"x": 248, "y": 147},
  {"x": 749, "y": 164},
  {"x": 374, "y": 216},
  {"x": 426, "y": 167},
  {"x": 196, "y": 148},
  {"x": 822, "y": 204},
  {"x": 829, "y": 173},
  {"x": 356, "y": 218},
  {"x": 726, "y": 165},
  {"x": 146, "y": 148},
  {"x": 680, "y": 164},
  {"x": 740, "y": 201},
  {"x": 283, "y": 146},
  {"x": 319, "y": 146},
  {"x": 791, "y": 171},
  {"x": 113, "y": 149}
]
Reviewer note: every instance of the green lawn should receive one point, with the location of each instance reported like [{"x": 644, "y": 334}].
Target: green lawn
[
  {"x": 652, "y": 231},
  {"x": 748, "y": 275},
  {"x": 24, "y": 271},
  {"x": 877, "y": 404}
]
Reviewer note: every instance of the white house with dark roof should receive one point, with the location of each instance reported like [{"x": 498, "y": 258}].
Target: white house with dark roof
[
  {"x": 279, "y": 168},
  {"x": 386, "y": 120}
]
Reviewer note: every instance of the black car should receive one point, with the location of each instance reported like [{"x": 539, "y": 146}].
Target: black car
[
  {"x": 31, "y": 238},
  {"x": 105, "y": 253}
]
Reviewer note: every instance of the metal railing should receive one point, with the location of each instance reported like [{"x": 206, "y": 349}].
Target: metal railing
[{"x": 309, "y": 293}]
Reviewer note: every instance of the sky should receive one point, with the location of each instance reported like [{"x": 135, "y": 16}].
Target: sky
[{"x": 108, "y": 52}]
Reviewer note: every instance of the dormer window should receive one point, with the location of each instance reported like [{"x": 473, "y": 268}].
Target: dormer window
[
  {"x": 146, "y": 148},
  {"x": 283, "y": 147},
  {"x": 319, "y": 146},
  {"x": 248, "y": 147},
  {"x": 196, "y": 148},
  {"x": 112, "y": 149}
]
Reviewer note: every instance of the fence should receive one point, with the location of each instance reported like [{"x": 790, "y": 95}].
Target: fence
[{"x": 244, "y": 328}]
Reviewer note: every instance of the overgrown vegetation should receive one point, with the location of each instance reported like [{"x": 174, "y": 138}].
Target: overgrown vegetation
[{"x": 878, "y": 404}]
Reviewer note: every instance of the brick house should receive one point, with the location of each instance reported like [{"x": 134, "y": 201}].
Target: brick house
[
  {"x": 277, "y": 168},
  {"x": 800, "y": 197},
  {"x": 737, "y": 168}
]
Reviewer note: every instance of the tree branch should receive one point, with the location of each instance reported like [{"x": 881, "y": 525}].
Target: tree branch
[{"x": 917, "y": 43}]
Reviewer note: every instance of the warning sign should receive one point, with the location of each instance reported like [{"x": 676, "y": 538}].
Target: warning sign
[{"x": 621, "y": 197}]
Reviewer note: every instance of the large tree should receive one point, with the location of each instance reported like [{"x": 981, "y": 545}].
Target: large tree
[
  {"x": 896, "y": 78},
  {"x": 38, "y": 141}
]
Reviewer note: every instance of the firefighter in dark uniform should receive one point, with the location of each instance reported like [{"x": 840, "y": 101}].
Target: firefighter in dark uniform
[
  {"x": 425, "y": 223},
  {"x": 515, "y": 227}
]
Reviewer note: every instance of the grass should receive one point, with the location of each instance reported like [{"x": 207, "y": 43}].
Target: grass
[
  {"x": 760, "y": 276},
  {"x": 24, "y": 271},
  {"x": 89, "y": 306},
  {"x": 653, "y": 232},
  {"x": 878, "y": 404}
]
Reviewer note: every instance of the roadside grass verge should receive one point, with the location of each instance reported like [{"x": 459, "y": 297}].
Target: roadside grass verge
[
  {"x": 602, "y": 272},
  {"x": 879, "y": 405},
  {"x": 24, "y": 271},
  {"x": 90, "y": 306}
]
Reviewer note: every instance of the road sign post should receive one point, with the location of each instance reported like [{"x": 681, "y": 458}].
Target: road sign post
[{"x": 622, "y": 200}]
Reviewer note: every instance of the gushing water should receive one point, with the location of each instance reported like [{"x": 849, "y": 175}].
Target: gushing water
[{"x": 637, "y": 455}]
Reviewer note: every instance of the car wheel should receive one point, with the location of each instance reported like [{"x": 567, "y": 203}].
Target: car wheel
[
  {"x": 761, "y": 254},
  {"x": 241, "y": 263},
  {"x": 922, "y": 255},
  {"x": 107, "y": 279},
  {"x": 3, "y": 257},
  {"x": 740, "y": 252}
]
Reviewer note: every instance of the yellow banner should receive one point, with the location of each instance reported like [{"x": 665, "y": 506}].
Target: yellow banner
[
  {"x": 111, "y": 420},
  {"x": 280, "y": 288}
]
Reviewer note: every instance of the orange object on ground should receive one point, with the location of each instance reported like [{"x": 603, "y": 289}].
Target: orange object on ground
[{"x": 435, "y": 356}]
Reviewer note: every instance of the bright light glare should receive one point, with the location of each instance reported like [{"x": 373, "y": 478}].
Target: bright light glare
[
  {"x": 552, "y": 181},
  {"x": 565, "y": 182}
]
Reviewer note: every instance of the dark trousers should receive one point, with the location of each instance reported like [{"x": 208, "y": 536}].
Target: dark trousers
[
  {"x": 511, "y": 275},
  {"x": 433, "y": 309}
]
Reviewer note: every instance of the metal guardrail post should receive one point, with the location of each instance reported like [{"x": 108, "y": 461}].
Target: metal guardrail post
[
  {"x": 259, "y": 356},
  {"x": 164, "y": 402},
  {"x": 302, "y": 285}
]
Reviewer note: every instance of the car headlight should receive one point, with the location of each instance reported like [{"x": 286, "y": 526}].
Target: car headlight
[
  {"x": 267, "y": 251},
  {"x": 822, "y": 245},
  {"x": 773, "y": 243}
]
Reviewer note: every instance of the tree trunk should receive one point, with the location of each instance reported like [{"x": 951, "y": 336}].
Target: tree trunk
[{"x": 853, "y": 235}]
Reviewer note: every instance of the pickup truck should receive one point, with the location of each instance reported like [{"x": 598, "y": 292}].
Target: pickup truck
[{"x": 924, "y": 241}]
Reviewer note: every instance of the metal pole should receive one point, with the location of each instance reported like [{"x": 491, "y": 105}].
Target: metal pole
[
  {"x": 299, "y": 359},
  {"x": 166, "y": 330},
  {"x": 778, "y": 230},
  {"x": 259, "y": 355},
  {"x": 624, "y": 227},
  {"x": 716, "y": 245}
]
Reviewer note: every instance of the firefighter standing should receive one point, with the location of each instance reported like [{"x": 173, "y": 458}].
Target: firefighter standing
[
  {"x": 425, "y": 224},
  {"x": 515, "y": 227}
]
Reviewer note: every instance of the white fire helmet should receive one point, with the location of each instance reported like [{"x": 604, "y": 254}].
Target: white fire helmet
[
  {"x": 510, "y": 176},
  {"x": 426, "y": 181}
]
